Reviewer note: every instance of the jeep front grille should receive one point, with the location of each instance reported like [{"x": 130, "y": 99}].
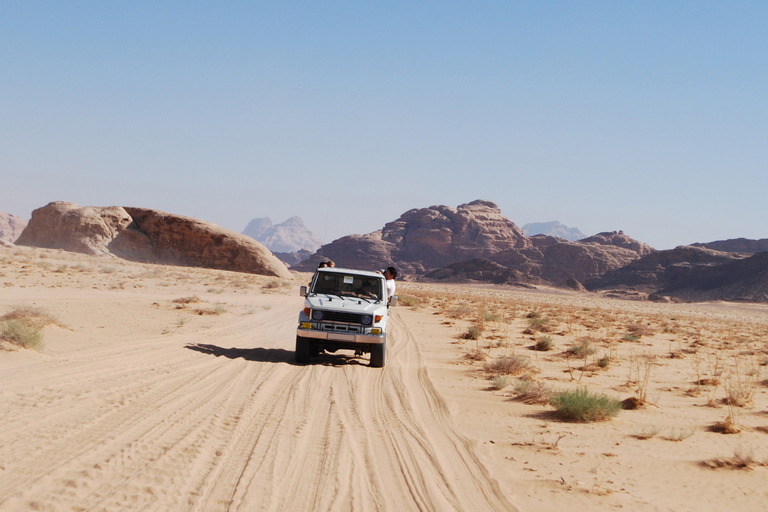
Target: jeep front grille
[{"x": 337, "y": 316}]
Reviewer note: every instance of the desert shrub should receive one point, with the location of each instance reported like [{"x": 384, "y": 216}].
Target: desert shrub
[
  {"x": 534, "y": 314},
  {"x": 630, "y": 337},
  {"x": 491, "y": 316},
  {"x": 582, "y": 405},
  {"x": 640, "y": 330},
  {"x": 30, "y": 315},
  {"x": 544, "y": 344},
  {"x": 501, "y": 381},
  {"x": 507, "y": 365},
  {"x": 473, "y": 333},
  {"x": 531, "y": 392},
  {"x": 187, "y": 300},
  {"x": 22, "y": 333},
  {"x": 408, "y": 300},
  {"x": 460, "y": 311},
  {"x": 582, "y": 349},
  {"x": 275, "y": 284},
  {"x": 604, "y": 362}
]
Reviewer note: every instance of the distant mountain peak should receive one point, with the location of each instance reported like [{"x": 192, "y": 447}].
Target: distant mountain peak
[
  {"x": 553, "y": 228},
  {"x": 287, "y": 237}
]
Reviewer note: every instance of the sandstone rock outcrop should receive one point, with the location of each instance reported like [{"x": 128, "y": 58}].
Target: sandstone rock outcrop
[
  {"x": 619, "y": 239},
  {"x": 656, "y": 271},
  {"x": 741, "y": 245},
  {"x": 425, "y": 239},
  {"x": 147, "y": 235},
  {"x": 476, "y": 242},
  {"x": 11, "y": 227},
  {"x": 291, "y": 236},
  {"x": 67, "y": 226},
  {"x": 738, "y": 280}
]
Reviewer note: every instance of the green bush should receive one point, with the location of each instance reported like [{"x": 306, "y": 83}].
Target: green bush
[
  {"x": 501, "y": 381},
  {"x": 583, "y": 349},
  {"x": 21, "y": 333},
  {"x": 582, "y": 405}
]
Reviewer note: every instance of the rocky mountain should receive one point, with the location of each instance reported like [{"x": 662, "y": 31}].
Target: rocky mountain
[
  {"x": 290, "y": 236},
  {"x": 738, "y": 280},
  {"x": 742, "y": 245},
  {"x": 475, "y": 241},
  {"x": 11, "y": 227},
  {"x": 424, "y": 239},
  {"x": 662, "y": 269},
  {"x": 142, "y": 234},
  {"x": 554, "y": 229}
]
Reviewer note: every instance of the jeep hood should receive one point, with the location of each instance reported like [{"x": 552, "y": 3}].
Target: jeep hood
[{"x": 347, "y": 304}]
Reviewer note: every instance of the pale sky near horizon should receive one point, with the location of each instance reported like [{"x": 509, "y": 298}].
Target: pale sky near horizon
[{"x": 648, "y": 117}]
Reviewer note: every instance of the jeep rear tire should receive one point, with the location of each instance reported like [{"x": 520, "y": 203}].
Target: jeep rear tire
[
  {"x": 303, "y": 349},
  {"x": 377, "y": 355}
]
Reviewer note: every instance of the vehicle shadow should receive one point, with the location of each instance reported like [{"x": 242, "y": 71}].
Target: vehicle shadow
[
  {"x": 275, "y": 355},
  {"x": 264, "y": 355}
]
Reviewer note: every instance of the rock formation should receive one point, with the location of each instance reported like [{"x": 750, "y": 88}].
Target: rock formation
[
  {"x": 738, "y": 280},
  {"x": 476, "y": 242},
  {"x": 619, "y": 239},
  {"x": 142, "y": 234},
  {"x": 661, "y": 269},
  {"x": 553, "y": 228},
  {"x": 67, "y": 226},
  {"x": 741, "y": 245},
  {"x": 425, "y": 239},
  {"x": 11, "y": 227},
  {"x": 290, "y": 236}
]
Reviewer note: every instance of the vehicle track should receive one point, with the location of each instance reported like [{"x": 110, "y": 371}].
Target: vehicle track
[{"x": 183, "y": 428}]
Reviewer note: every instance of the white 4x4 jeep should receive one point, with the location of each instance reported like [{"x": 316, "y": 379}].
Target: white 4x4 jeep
[{"x": 344, "y": 309}]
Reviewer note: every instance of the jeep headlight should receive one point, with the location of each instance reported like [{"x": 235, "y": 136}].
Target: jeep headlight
[
  {"x": 366, "y": 320},
  {"x": 317, "y": 315}
]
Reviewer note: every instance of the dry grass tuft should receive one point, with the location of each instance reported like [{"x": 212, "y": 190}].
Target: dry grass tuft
[
  {"x": 508, "y": 365},
  {"x": 742, "y": 459},
  {"x": 530, "y": 392}
]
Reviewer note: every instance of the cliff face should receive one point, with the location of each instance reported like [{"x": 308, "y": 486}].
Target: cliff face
[
  {"x": 11, "y": 227},
  {"x": 143, "y": 234},
  {"x": 741, "y": 245},
  {"x": 424, "y": 240},
  {"x": 662, "y": 269}
]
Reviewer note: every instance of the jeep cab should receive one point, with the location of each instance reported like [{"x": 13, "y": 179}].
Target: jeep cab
[{"x": 344, "y": 309}]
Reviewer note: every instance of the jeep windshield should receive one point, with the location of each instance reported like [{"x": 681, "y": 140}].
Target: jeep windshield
[{"x": 348, "y": 285}]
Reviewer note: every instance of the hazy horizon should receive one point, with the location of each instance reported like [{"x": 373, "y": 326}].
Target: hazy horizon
[{"x": 644, "y": 117}]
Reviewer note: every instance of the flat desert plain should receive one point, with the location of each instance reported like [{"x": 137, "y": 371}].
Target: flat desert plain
[{"x": 167, "y": 388}]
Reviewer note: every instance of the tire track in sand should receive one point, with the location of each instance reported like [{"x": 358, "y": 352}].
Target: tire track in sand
[{"x": 250, "y": 433}]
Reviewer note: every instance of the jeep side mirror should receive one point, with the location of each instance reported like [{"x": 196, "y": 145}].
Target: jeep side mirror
[
  {"x": 393, "y": 301},
  {"x": 303, "y": 291}
]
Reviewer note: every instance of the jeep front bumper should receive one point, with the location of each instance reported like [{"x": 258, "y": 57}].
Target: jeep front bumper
[{"x": 343, "y": 337}]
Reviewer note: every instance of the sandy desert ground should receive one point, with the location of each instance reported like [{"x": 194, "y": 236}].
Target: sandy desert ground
[{"x": 167, "y": 388}]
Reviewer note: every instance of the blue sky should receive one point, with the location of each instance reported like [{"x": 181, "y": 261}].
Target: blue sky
[{"x": 650, "y": 117}]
